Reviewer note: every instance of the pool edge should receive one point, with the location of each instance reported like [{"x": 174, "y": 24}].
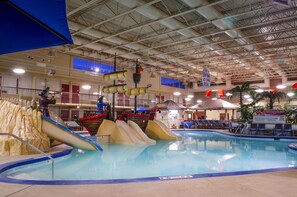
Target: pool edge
[{"x": 7, "y": 166}]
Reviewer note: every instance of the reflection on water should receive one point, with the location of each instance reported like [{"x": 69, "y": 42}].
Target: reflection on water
[{"x": 195, "y": 153}]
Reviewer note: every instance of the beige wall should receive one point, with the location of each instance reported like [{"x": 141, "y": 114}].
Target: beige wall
[
  {"x": 37, "y": 63},
  {"x": 215, "y": 114}
]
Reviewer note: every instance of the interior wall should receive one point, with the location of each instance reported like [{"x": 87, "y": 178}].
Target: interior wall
[
  {"x": 215, "y": 114},
  {"x": 37, "y": 63}
]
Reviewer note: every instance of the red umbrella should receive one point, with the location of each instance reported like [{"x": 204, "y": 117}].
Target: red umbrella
[{"x": 294, "y": 86}]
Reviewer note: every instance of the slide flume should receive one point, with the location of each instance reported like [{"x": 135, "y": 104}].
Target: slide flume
[
  {"x": 140, "y": 133},
  {"x": 157, "y": 131},
  {"x": 61, "y": 133}
]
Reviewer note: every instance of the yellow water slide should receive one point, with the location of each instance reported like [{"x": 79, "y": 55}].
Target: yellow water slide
[
  {"x": 138, "y": 131},
  {"x": 120, "y": 132},
  {"x": 131, "y": 132},
  {"x": 116, "y": 134},
  {"x": 158, "y": 131}
]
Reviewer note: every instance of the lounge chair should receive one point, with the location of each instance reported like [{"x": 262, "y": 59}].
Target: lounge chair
[
  {"x": 278, "y": 129},
  {"x": 261, "y": 129},
  {"x": 287, "y": 130},
  {"x": 253, "y": 129}
]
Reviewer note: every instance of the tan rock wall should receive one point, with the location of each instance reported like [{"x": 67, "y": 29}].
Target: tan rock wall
[{"x": 24, "y": 123}]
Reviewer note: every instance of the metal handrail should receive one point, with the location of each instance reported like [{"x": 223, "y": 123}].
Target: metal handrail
[
  {"x": 33, "y": 147},
  {"x": 187, "y": 125}
]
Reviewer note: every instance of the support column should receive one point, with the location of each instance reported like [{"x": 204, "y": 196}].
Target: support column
[
  {"x": 228, "y": 83},
  {"x": 284, "y": 80},
  {"x": 33, "y": 87},
  {"x": 226, "y": 114},
  {"x": 267, "y": 82},
  {"x": 70, "y": 92}
]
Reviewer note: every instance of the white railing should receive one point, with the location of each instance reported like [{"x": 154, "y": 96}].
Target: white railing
[{"x": 34, "y": 148}]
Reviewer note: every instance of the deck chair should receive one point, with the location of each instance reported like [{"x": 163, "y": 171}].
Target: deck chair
[
  {"x": 253, "y": 129},
  {"x": 287, "y": 129},
  {"x": 261, "y": 129},
  {"x": 278, "y": 129}
]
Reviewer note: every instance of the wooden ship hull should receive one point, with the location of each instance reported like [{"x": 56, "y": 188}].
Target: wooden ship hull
[
  {"x": 92, "y": 123},
  {"x": 140, "y": 119}
]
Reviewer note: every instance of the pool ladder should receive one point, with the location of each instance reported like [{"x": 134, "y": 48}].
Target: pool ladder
[{"x": 34, "y": 148}]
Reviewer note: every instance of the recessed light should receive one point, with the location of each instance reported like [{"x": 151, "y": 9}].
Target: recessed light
[
  {"x": 199, "y": 101},
  {"x": 214, "y": 99},
  {"x": 95, "y": 93},
  {"x": 176, "y": 93},
  {"x": 187, "y": 99},
  {"x": 19, "y": 71},
  {"x": 190, "y": 96},
  {"x": 290, "y": 94},
  {"x": 228, "y": 94},
  {"x": 86, "y": 87},
  {"x": 281, "y": 86},
  {"x": 259, "y": 90}
]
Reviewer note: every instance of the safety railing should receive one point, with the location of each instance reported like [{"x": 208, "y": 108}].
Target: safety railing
[
  {"x": 34, "y": 148},
  {"x": 187, "y": 125}
]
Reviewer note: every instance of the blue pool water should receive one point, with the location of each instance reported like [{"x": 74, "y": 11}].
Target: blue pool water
[{"x": 196, "y": 153}]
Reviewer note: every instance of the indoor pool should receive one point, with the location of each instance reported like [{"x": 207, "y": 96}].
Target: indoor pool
[{"x": 197, "y": 154}]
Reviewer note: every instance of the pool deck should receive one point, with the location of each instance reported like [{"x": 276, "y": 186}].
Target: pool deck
[{"x": 265, "y": 184}]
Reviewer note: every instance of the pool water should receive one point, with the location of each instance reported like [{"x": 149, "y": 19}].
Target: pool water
[{"x": 196, "y": 153}]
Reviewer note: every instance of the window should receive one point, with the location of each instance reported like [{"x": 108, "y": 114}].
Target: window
[
  {"x": 91, "y": 66},
  {"x": 172, "y": 82}
]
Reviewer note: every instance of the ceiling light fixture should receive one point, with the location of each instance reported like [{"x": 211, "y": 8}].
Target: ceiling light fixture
[
  {"x": 199, "y": 101},
  {"x": 19, "y": 71},
  {"x": 259, "y": 90},
  {"x": 228, "y": 94},
  {"x": 86, "y": 87},
  {"x": 290, "y": 94},
  {"x": 214, "y": 99},
  {"x": 190, "y": 96},
  {"x": 281, "y": 87},
  {"x": 247, "y": 96},
  {"x": 187, "y": 99},
  {"x": 95, "y": 93},
  {"x": 176, "y": 93}
]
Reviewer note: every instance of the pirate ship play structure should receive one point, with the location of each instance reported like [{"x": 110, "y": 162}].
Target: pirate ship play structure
[{"x": 93, "y": 122}]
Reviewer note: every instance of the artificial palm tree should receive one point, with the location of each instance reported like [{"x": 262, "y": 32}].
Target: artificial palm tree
[
  {"x": 273, "y": 96},
  {"x": 239, "y": 90},
  {"x": 257, "y": 97}
]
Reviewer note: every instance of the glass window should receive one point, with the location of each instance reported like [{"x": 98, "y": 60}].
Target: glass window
[
  {"x": 91, "y": 66},
  {"x": 172, "y": 82}
]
